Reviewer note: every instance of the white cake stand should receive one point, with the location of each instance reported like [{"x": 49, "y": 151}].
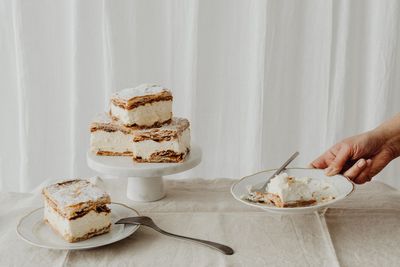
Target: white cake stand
[{"x": 145, "y": 182}]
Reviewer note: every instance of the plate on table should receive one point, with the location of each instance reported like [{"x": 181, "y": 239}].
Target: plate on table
[
  {"x": 341, "y": 186},
  {"x": 35, "y": 231}
]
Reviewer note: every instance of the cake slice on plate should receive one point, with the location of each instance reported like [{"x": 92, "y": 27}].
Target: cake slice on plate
[
  {"x": 77, "y": 209},
  {"x": 285, "y": 191},
  {"x": 148, "y": 105},
  {"x": 168, "y": 143},
  {"x": 110, "y": 138}
]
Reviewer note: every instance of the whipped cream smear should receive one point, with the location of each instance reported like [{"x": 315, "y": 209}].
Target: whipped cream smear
[{"x": 291, "y": 189}]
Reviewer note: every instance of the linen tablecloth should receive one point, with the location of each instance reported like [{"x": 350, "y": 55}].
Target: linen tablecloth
[{"x": 363, "y": 230}]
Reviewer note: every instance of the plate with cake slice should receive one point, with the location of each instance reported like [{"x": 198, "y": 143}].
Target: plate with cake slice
[
  {"x": 294, "y": 191},
  {"x": 76, "y": 215}
]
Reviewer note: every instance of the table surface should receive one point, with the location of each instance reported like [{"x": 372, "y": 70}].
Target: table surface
[{"x": 363, "y": 230}]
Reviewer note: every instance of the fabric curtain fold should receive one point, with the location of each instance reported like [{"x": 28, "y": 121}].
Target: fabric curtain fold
[{"x": 257, "y": 79}]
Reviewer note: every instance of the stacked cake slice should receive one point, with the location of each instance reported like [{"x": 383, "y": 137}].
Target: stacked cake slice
[
  {"x": 77, "y": 209},
  {"x": 146, "y": 105},
  {"x": 110, "y": 138},
  {"x": 169, "y": 143},
  {"x": 140, "y": 124}
]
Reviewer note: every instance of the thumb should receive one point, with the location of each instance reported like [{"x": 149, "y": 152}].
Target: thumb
[{"x": 341, "y": 157}]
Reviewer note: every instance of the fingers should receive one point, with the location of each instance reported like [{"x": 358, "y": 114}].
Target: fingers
[
  {"x": 374, "y": 166},
  {"x": 323, "y": 161},
  {"x": 365, "y": 175},
  {"x": 341, "y": 159},
  {"x": 337, "y": 164},
  {"x": 348, "y": 165},
  {"x": 319, "y": 163},
  {"x": 355, "y": 170}
]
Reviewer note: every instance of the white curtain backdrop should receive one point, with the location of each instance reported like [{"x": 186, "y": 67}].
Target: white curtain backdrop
[{"x": 257, "y": 79}]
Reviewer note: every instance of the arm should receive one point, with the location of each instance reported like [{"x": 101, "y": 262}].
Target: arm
[{"x": 363, "y": 156}]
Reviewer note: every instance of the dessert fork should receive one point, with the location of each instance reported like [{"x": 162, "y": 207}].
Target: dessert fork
[
  {"x": 147, "y": 221},
  {"x": 278, "y": 171}
]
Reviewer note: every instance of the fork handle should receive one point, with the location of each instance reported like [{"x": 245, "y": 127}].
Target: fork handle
[{"x": 222, "y": 248}]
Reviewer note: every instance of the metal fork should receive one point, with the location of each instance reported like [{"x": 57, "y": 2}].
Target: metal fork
[
  {"x": 278, "y": 171},
  {"x": 147, "y": 221}
]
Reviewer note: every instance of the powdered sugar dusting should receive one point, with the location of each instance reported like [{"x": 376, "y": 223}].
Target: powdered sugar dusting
[
  {"x": 141, "y": 90},
  {"x": 69, "y": 193}
]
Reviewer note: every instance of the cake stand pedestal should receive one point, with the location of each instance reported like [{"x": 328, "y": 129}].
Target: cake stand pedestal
[{"x": 145, "y": 180}]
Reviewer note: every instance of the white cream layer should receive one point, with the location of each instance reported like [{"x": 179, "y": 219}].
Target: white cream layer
[
  {"x": 111, "y": 141},
  {"x": 145, "y": 148},
  {"x": 290, "y": 191},
  {"x": 144, "y": 115},
  {"x": 79, "y": 227}
]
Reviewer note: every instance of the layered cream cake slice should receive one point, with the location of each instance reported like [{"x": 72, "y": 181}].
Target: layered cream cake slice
[
  {"x": 147, "y": 105},
  {"x": 110, "y": 138},
  {"x": 168, "y": 143},
  {"x": 77, "y": 209}
]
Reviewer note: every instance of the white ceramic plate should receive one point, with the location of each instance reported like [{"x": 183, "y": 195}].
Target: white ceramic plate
[
  {"x": 35, "y": 231},
  {"x": 343, "y": 186}
]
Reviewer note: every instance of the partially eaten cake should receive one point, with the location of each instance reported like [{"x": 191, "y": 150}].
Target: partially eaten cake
[
  {"x": 147, "y": 105},
  {"x": 77, "y": 209},
  {"x": 286, "y": 191}
]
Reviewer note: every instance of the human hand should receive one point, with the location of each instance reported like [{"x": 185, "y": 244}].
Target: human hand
[{"x": 359, "y": 157}]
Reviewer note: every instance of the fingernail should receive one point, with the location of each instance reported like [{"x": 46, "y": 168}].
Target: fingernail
[
  {"x": 361, "y": 163},
  {"x": 330, "y": 171},
  {"x": 369, "y": 161}
]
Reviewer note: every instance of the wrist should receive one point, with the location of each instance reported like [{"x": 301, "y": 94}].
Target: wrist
[
  {"x": 393, "y": 145},
  {"x": 389, "y": 132}
]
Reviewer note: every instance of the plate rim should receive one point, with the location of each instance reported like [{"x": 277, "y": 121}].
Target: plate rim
[
  {"x": 290, "y": 209},
  {"x": 20, "y": 235}
]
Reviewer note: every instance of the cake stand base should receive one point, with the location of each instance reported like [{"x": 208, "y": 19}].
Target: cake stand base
[
  {"x": 145, "y": 189},
  {"x": 145, "y": 182}
]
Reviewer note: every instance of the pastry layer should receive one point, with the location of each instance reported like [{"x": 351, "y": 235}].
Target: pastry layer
[
  {"x": 130, "y": 98},
  {"x": 80, "y": 228},
  {"x": 277, "y": 201},
  {"x": 103, "y": 122},
  {"x": 147, "y": 115},
  {"x": 75, "y": 197},
  {"x": 167, "y": 156},
  {"x": 165, "y": 132}
]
